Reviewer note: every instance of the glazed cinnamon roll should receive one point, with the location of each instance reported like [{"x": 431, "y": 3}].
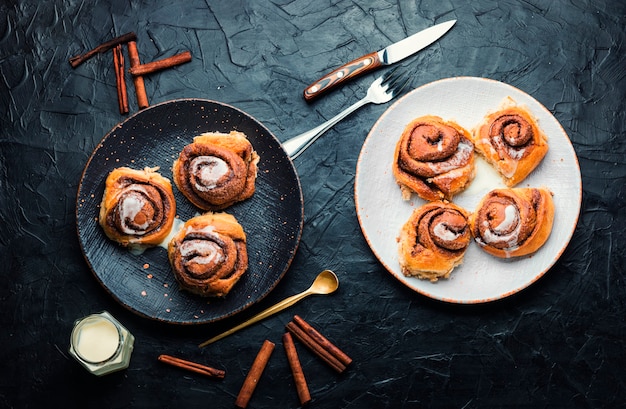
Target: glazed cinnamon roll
[
  {"x": 511, "y": 141},
  {"x": 434, "y": 240},
  {"x": 138, "y": 207},
  {"x": 513, "y": 222},
  {"x": 209, "y": 254},
  {"x": 216, "y": 170},
  {"x": 433, "y": 158}
]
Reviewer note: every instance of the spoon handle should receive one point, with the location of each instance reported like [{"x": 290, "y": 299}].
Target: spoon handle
[{"x": 287, "y": 302}]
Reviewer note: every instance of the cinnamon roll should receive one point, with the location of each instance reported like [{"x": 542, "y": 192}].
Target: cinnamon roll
[
  {"x": 209, "y": 254},
  {"x": 434, "y": 240},
  {"x": 433, "y": 158},
  {"x": 216, "y": 170},
  {"x": 511, "y": 141},
  {"x": 513, "y": 222},
  {"x": 138, "y": 207}
]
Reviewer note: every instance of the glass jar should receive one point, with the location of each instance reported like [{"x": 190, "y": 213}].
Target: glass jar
[{"x": 101, "y": 344}]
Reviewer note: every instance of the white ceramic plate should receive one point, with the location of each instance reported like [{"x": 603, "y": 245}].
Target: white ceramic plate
[{"x": 382, "y": 212}]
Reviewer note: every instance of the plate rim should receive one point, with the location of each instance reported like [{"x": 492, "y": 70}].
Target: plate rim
[
  {"x": 296, "y": 241},
  {"x": 405, "y": 280}
]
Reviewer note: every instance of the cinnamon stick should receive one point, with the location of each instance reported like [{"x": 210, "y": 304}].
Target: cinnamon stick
[
  {"x": 322, "y": 340},
  {"x": 140, "y": 88},
  {"x": 104, "y": 47},
  {"x": 120, "y": 82},
  {"x": 252, "y": 379},
  {"x": 162, "y": 64},
  {"x": 315, "y": 347},
  {"x": 296, "y": 369},
  {"x": 192, "y": 366}
]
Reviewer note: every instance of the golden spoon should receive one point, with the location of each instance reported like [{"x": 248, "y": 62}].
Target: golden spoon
[{"x": 326, "y": 282}]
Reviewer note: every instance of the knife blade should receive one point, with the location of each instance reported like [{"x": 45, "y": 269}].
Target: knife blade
[{"x": 388, "y": 55}]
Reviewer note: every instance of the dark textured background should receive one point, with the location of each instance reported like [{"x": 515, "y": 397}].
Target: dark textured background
[{"x": 560, "y": 343}]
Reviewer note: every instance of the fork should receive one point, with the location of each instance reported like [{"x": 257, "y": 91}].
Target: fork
[{"x": 382, "y": 90}]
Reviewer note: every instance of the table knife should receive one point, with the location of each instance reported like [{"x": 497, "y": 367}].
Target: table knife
[{"x": 388, "y": 55}]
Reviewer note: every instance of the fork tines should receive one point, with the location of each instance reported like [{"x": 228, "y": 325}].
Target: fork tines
[{"x": 396, "y": 80}]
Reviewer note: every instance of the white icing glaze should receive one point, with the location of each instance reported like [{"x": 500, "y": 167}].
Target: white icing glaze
[
  {"x": 176, "y": 226},
  {"x": 444, "y": 233},
  {"x": 512, "y": 152},
  {"x": 207, "y": 252},
  {"x": 452, "y": 174},
  {"x": 511, "y": 217},
  {"x": 129, "y": 207},
  {"x": 460, "y": 156},
  {"x": 511, "y": 239},
  {"x": 486, "y": 179},
  {"x": 210, "y": 169},
  {"x": 516, "y": 154}
]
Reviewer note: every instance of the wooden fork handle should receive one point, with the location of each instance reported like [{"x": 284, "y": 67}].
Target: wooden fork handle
[{"x": 342, "y": 74}]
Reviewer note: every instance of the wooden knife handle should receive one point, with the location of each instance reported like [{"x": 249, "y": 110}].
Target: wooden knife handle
[{"x": 342, "y": 74}]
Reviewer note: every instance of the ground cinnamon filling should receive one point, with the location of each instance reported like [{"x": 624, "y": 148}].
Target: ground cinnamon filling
[
  {"x": 201, "y": 256},
  {"x": 445, "y": 229},
  {"x": 148, "y": 204},
  {"x": 504, "y": 222},
  {"x": 205, "y": 256},
  {"x": 511, "y": 134},
  {"x": 209, "y": 172},
  {"x": 212, "y": 175},
  {"x": 431, "y": 150},
  {"x": 209, "y": 255},
  {"x": 432, "y": 143}
]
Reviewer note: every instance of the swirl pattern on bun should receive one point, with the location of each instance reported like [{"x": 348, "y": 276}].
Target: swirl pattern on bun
[
  {"x": 511, "y": 141},
  {"x": 138, "y": 207},
  {"x": 434, "y": 240},
  {"x": 513, "y": 222},
  {"x": 434, "y": 159},
  {"x": 217, "y": 170},
  {"x": 209, "y": 254}
]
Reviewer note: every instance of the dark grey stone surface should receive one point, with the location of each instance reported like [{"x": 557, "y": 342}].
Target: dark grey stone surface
[{"x": 559, "y": 343}]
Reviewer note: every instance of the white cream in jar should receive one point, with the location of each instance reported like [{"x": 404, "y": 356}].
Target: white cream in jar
[
  {"x": 96, "y": 340},
  {"x": 101, "y": 344}
]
